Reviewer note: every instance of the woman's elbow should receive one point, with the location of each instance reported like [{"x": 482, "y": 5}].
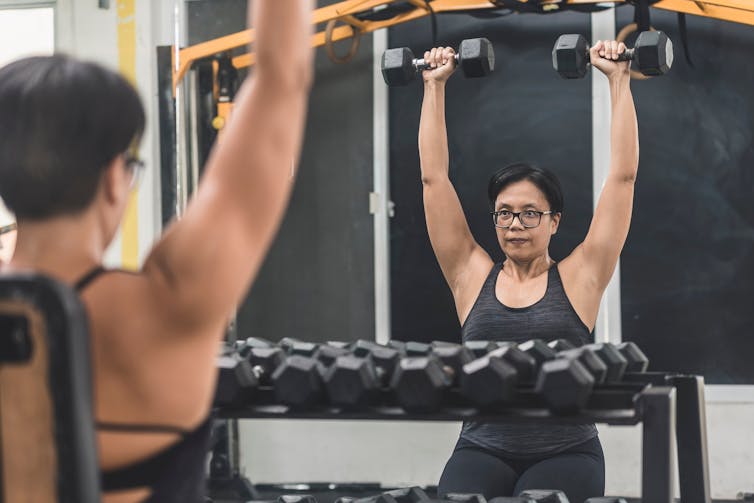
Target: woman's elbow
[{"x": 286, "y": 73}]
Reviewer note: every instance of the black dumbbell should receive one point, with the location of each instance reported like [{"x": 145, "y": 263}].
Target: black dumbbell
[
  {"x": 296, "y": 498},
  {"x": 616, "y": 363},
  {"x": 525, "y": 364},
  {"x": 257, "y": 342},
  {"x": 263, "y": 361},
  {"x": 396, "y": 344},
  {"x": 590, "y": 360},
  {"x": 241, "y": 373},
  {"x": 268, "y": 358},
  {"x": 408, "y": 495},
  {"x": 566, "y": 382},
  {"x": 539, "y": 350},
  {"x": 419, "y": 383},
  {"x": 327, "y": 354},
  {"x": 475, "y": 57},
  {"x": 565, "y": 385},
  {"x": 617, "y": 360},
  {"x": 544, "y": 496},
  {"x": 351, "y": 382},
  {"x": 559, "y": 345},
  {"x": 653, "y": 53},
  {"x": 464, "y": 498},
  {"x": 526, "y": 357},
  {"x": 563, "y": 379},
  {"x": 481, "y": 348},
  {"x": 339, "y": 344},
  {"x": 453, "y": 357},
  {"x": 298, "y": 383},
  {"x": 301, "y": 348},
  {"x": 637, "y": 360},
  {"x": 236, "y": 381},
  {"x": 384, "y": 358},
  {"x": 293, "y": 346},
  {"x": 490, "y": 380},
  {"x": 379, "y": 498}
]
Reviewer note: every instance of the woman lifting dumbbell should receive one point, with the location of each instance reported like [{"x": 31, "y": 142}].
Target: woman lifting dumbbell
[
  {"x": 528, "y": 295},
  {"x": 68, "y": 131}
]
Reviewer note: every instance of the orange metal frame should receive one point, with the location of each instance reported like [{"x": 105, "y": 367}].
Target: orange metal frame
[
  {"x": 343, "y": 11},
  {"x": 739, "y": 11}
]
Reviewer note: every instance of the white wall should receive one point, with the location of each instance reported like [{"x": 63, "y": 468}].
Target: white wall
[
  {"x": 23, "y": 32},
  {"x": 91, "y": 33}
]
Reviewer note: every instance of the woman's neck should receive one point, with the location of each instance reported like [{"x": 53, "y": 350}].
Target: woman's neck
[
  {"x": 522, "y": 270},
  {"x": 63, "y": 247}
]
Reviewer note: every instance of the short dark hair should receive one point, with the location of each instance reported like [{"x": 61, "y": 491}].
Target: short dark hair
[
  {"x": 545, "y": 180},
  {"x": 62, "y": 121}
]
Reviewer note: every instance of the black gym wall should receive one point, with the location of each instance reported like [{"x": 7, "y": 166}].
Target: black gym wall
[
  {"x": 317, "y": 282},
  {"x": 687, "y": 271}
]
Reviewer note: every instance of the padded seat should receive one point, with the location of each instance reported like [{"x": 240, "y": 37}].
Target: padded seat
[{"x": 47, "y": 436}]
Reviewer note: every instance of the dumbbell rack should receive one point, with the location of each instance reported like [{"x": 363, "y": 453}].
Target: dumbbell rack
[{"x": 654, "y": 399}]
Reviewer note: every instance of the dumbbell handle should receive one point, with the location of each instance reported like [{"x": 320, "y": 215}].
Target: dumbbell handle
[
  {"x": 627, "y": 55},
  {"x": 422, "y": 65}
]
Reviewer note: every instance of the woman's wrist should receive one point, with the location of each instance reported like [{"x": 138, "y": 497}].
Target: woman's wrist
[
  {"x": 619, "y": 79},
  {"x": 434, "y": 84}
]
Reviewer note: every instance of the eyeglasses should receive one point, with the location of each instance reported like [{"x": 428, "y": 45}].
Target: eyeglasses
[
  {"x": 7, "y": 228},
  {"x": 136, "y": 166},
  {"x": 503, "y": 219}
]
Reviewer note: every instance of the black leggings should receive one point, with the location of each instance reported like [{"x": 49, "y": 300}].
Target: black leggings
[{"x": 579, "y": 472}]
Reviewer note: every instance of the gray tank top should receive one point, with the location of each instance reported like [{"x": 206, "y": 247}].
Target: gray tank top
[{"x": 552, "y": 317}]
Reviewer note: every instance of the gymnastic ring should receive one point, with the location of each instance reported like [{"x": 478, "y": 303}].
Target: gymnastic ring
[
  {"x": 622, "y": 36},
  {"x": 329, "y": 44}
]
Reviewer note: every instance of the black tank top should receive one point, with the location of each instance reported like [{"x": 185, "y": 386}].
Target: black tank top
[
  {"x": 552, "y": 317},
  {"x": 177, "y": 474}
]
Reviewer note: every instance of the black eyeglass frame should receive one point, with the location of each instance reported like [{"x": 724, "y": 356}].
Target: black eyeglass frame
[
  {"x": 517, "y": 214},
  {"x": 136, "y": 166}
]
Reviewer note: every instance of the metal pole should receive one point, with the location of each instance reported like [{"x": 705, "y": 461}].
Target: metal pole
[
  {"x": 608, "y": 326},
  {"x": 379, "y": 200}
]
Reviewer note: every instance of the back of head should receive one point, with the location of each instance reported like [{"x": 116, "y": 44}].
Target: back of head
[
  {"x": 62, "y": 121},
  {"x": 544, "y": 179}
]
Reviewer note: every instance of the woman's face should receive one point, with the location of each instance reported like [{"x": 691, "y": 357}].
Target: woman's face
[{"x": 522, "y": 241}]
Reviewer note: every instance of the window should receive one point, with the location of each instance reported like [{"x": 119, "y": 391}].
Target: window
[{"x": 26, "y": 32}]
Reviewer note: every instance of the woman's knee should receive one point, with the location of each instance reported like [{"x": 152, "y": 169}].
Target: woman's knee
[
  {"x": 579, "y": 476},
  {"x": 476, "y": 471}
]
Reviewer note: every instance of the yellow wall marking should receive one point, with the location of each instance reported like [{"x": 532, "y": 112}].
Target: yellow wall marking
[{"x": 127, "y": 66}]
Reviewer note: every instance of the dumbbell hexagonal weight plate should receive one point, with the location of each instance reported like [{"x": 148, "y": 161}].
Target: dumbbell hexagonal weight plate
[
  {"x": 653, "y": 53},
  {"x": 475, "y": 57}
]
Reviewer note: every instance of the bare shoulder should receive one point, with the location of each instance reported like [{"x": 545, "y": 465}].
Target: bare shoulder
[
  {"x": 142, "y": 351},
  {"x": 132, "y": 311}
]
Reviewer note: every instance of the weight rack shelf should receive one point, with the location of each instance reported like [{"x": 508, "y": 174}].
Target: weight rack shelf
[{"x": 654, "y": 399}]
